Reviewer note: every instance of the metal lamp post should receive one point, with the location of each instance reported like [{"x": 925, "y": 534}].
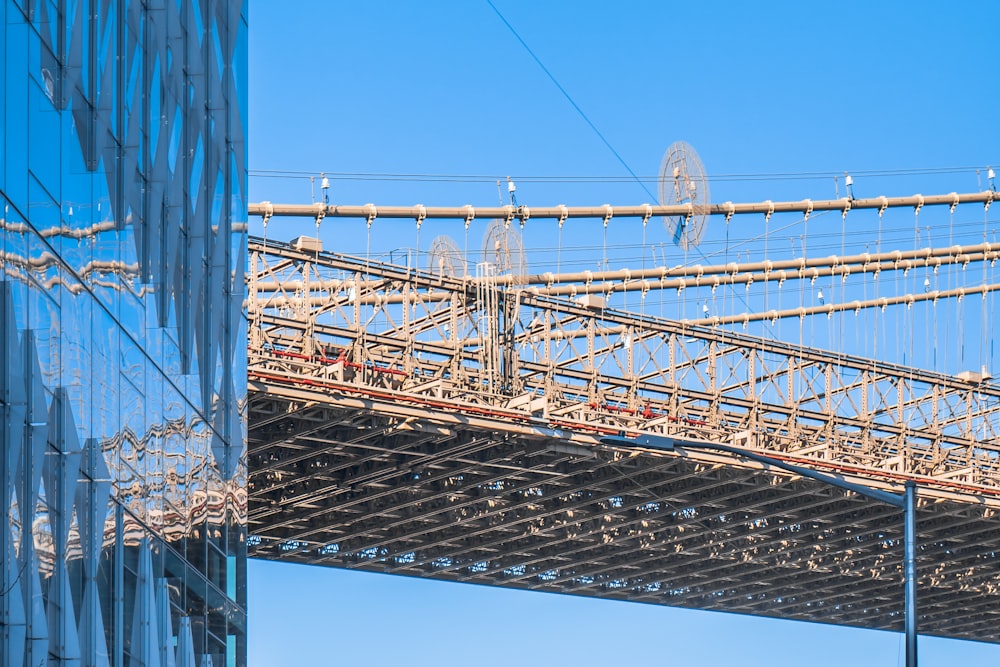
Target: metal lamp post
[{"x": 906, "y": 501}]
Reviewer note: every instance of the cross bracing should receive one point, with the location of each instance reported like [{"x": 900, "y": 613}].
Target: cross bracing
[{"x": 449, "y": 427}]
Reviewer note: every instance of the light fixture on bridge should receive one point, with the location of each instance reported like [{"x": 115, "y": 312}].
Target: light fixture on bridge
[
  {"x": 650, "y": 440},
  {"x": 324, "y": 185},
  {"x": 511, "y": 189}
]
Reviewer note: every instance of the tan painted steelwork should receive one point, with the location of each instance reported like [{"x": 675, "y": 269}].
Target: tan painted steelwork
[
  {"x": 371, "y": 212},
  {"x": 449, "y": 427}
]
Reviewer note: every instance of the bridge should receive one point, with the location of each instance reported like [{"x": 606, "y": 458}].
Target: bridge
[{"x": 449, "y": 424}]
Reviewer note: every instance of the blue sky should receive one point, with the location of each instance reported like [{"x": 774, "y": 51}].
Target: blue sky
[{"x": 804, "y": 89}]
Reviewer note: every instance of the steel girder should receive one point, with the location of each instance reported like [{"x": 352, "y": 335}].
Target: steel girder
[{"x": 435, "y": 439}]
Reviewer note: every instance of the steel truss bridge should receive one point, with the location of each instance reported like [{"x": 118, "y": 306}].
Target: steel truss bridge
[{"x": 416, "y": 423}]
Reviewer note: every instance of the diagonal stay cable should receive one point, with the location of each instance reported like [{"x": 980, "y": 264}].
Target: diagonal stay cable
[{"x": 569, "y": 99}]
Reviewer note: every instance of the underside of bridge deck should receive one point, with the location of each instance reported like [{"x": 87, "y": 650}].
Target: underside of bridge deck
[{"x": 348, "y": 486}]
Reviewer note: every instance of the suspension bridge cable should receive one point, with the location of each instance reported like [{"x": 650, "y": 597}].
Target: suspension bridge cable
[{"x": 569, "y": 98}]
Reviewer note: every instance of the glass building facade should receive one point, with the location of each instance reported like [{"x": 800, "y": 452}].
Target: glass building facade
[{"x": 122, "y": 335}]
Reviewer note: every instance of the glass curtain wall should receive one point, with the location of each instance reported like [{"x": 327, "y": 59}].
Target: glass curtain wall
[{"x": 122, "y": 336}]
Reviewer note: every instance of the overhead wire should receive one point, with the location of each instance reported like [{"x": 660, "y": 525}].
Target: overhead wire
[
  {"x": 582, "y": 178},
  {"x": 568, "y": 97}
]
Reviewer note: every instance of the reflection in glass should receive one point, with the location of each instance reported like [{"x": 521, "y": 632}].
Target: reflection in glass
[{"x": 122, "y": 378}]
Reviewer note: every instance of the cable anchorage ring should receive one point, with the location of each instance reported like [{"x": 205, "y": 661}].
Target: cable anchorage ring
[
  {"x": 510, "y": 216},
  {"x": 647, "y": 215},
  {"x": 320, "y": 214}
]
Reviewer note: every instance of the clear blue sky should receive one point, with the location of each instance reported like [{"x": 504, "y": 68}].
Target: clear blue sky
[{"x": 446, "y": 88}]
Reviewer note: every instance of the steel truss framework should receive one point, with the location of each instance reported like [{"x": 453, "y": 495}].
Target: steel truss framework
[{"x": 412, "y": 423}]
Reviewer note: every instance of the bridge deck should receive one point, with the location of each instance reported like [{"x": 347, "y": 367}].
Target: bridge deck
[{"x": 438, "y": 444}]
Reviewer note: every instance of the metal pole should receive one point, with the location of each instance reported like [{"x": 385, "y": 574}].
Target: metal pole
[
  {"x": 907, "y": 502},
  {"x": 910, "y": 571},
  {"x": 607, "y": 212},
  {"x": 662, "y": 277}
]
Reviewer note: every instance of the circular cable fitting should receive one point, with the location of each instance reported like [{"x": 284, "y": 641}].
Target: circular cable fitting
[
  {"x": 268, "y": 212},
  {"x": 510, "y": 215},
  {"x": 563, "y": 214}
]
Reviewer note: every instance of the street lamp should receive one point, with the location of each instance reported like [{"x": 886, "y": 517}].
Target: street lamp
[{"x": 906, "y": 501}]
